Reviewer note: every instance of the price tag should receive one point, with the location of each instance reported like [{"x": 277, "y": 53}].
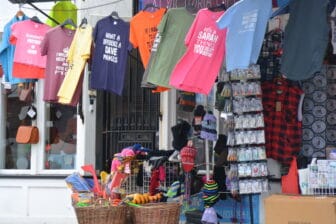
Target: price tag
[
  {"x": 278, "y": 106},
  {"x": 49, "y": 124},
  {"x": 7, "y": 85},
  {"x": 58, "y": 114},
  {"x": 31, "y": 113}
]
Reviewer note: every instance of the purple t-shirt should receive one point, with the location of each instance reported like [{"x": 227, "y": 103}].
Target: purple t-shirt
[
  {"x": 55, "y": 45},
  {"x": 111, "y": 38}
]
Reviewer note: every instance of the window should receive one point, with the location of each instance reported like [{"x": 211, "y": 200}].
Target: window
[
  {"x": 14, "y": 155},
  {"x": 60, "y": 149},
  {"x": 56, "y": 151}
]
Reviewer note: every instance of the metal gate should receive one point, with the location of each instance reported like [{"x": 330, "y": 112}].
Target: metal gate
[{"x": 128, "y": 119}]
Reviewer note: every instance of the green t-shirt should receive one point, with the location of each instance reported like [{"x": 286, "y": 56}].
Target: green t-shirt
[
  {"x": 173, "y": 28},
  {"x": 62, "y": 11}
]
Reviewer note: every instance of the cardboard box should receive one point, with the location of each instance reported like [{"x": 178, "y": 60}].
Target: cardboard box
[{"x": 288, "y": 209}]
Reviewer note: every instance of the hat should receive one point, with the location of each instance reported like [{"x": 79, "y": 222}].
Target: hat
[
  {"x": 199, "y": 113},
  {"x": 209, "y": 125},
  {"x": 209, "y": 216},
  {"x": 187, "y": 101},
  {"x": 175, "y": 189},
  {"x": 180, "y": 134},
  {"x": 188, "y": 155},
  {"x": 220, "y": 145},
  {"x": 210, "y": 193}
]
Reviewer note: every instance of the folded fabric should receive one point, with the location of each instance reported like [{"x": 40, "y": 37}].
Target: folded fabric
[{"x": 77, "y": 182}]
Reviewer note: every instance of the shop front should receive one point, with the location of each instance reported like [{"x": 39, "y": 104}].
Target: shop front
[{"x": 139, "y": 90}]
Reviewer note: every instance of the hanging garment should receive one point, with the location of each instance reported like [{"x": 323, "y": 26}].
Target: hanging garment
[
  {"x": 246, "y": 22},
  {"x": 199, "y": 113},
  {"x": 79, "y": 53},
  {"x": 333, "y": 29},
  {"x": 62, "y": 11},
  {"x": 55, "y": 46},
  {"x": 143, "y": 29},
  {"x": 180, "y": 133},
  {"x": 270, "y": 55},
  {"x": 306, "y": 39},
  {"x": 283, "y": 129},
  {"x": 173, "y": 29},
  {"x": 156, "y": 43},
  {"x": 7, "y": 53},
  {"x": 197, "y": 70},
  {"x": 220, "y": 177},
  {"x": 209, "y": 125},
  {"x": 111, "y": 39},
  {"x": 319, "y": 112},
  {"x": 27, "y": 36},
  {"x": 317, "y": 106}
]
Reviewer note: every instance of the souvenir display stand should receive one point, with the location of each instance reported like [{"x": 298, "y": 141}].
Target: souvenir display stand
[{"x": 246, "y": 138}]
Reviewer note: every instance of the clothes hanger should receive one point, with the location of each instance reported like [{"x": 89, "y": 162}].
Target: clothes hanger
[
  {"x": 35, "y": 19},
  {"x": 69, "y": 22},
  {"x": 83, "y": 22},
  {"x": 19, "y": 13},
  {"x": 218, "y": 8},
  {"x": 191, "y": 8},
  {"x": 150, "y": 5},
  {"x": 115, "y": 15}
]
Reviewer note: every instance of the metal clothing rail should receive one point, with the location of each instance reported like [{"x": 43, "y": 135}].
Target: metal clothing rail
[{"x": 30, "y": 2}]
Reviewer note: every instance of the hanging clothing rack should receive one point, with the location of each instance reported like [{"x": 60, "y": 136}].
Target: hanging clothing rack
[{"x": 30, "y": 2}]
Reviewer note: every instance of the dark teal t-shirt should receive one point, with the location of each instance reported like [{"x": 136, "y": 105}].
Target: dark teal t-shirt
[{"x": 306, "y": 39}]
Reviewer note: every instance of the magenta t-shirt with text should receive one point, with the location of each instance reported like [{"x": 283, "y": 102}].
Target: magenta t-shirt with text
[
  {"x": 198, "y": 68},
  {"x": 55, "y": 46}
]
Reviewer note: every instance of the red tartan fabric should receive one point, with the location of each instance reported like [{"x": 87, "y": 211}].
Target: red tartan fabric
[{"x": 283, "y": 131}]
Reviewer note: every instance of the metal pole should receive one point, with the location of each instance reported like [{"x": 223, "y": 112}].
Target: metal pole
[{"x": 207, "y": 159}]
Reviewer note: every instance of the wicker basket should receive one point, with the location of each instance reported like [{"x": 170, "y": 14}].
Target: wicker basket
[
  {"x": 156, "y": 213},
  {"x": 97, "y": 214}
]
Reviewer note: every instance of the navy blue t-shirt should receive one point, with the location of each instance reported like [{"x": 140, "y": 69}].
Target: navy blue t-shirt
[{"x": 111, "y": 39}]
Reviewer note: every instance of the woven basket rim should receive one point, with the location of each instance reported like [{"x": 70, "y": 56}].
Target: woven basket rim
[
  {"x": 158, "y": 204},
  {"x": 93, "y": 207}
]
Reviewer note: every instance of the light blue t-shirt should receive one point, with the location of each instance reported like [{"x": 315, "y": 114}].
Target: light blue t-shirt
[
  {"x": 7, "y": 53},
  {"x": 246, "y": 23}
]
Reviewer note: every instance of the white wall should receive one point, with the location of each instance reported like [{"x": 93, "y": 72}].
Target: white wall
[
  {"x": 38, "y": 201},
  {"x": 102, "y": 8},
  {"x": 8, "y": 11}
]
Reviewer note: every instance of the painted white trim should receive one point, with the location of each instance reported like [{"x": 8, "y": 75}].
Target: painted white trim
[
  {"x": 168, "y": 119},
  {"x": 38, "y": 220}
]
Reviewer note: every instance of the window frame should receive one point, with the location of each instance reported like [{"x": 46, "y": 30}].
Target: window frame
[{"x": 37, "y": 157}]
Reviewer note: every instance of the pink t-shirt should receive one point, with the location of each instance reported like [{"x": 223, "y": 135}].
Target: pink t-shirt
[
  {"x": 198, "y": 68},
  {"x": 55, "y": 45},
  {"x": 27, "y": 36}
]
